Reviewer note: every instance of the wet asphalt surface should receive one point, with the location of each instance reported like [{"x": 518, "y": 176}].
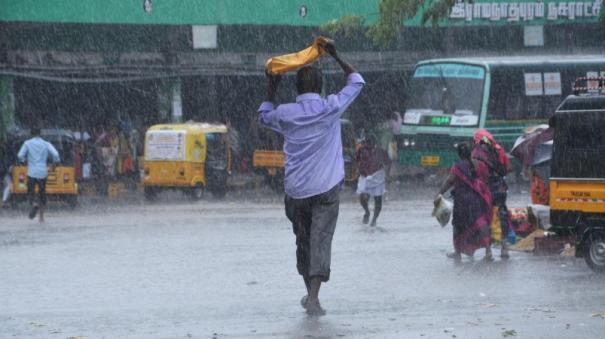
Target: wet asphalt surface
[{"x": 177, "y": 269}]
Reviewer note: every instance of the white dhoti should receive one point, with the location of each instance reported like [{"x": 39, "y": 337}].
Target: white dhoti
[{"x": 372, "y": 184}]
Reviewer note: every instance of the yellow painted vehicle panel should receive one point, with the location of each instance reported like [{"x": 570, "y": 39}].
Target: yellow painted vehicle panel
[
  {"x": 61, "y": 181},
  {"x": 264, "y": 158},
  {"x": 430, "y": 160},
  {"x": 174, "y": 173},
  {"x": 586, "y": 195}
]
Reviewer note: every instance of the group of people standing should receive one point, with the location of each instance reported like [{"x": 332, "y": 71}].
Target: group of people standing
[
  {"x": 479, "y": 186},
  {"x": 114, "y": 155}
]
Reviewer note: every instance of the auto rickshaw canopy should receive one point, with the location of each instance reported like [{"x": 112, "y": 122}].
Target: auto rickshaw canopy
[
  {"x": 63, "y": 140},
  {"x": 579, "y": 141}
]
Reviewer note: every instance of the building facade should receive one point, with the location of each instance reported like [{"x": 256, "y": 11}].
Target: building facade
[{"x": 81, "y": 64}]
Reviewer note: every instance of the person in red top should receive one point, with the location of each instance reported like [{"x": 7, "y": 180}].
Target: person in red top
[{"x": 373, "y": 165}]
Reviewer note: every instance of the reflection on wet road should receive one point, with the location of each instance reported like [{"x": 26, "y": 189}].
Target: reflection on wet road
[{"x": 227, "y": 269}]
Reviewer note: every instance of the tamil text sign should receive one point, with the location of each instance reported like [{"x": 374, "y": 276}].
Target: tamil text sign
[{"x": 526, "y": 11}]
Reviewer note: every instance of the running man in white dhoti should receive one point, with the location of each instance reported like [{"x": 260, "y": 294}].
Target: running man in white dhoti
[{"x": 373, "y": 165}]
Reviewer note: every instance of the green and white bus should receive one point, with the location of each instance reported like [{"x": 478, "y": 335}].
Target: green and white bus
[{"x": 449, "y": 99}]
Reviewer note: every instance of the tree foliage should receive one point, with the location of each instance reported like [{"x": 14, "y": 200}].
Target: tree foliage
[{"x": 391, "y": 17}]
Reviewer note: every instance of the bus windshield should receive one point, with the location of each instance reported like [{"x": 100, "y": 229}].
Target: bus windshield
[{"x": 445, "y": 94}]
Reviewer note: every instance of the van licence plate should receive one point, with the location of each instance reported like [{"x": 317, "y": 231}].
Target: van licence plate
[{"x": 430, "y": 160}]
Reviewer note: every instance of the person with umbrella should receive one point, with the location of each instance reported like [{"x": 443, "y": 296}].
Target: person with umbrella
[{"x": 534, "y": 150}]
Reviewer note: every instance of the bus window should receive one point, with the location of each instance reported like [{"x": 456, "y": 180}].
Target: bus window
[
  {"x": 445, "y": 94},
  {"x": 508, "y": 99}
]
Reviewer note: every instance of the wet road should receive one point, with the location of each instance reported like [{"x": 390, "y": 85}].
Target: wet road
[{"x": 176, "y": 269}]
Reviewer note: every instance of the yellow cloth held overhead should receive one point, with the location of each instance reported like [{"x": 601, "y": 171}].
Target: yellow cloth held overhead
[{"x": 289, "y": 62}]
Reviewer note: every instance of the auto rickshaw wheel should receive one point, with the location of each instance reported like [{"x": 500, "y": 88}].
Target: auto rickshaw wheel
[
  {"x": 595, "y": 256},
  {"x": 72, "y": 201},
  {"x": 150, "y": 193},
  {"x": 217, "y": 184},
  {"x": 197, "y": 192},
  {"x": 219, "y": 192}
]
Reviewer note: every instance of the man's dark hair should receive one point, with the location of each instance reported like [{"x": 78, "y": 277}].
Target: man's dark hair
[
  {"x": 308, "y": 80},
  {"x": 35, "y": 130}
]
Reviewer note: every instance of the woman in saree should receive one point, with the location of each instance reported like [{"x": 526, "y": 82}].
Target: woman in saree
[
  {"x": 472, "y": 215},
  {"x": 488, "y": 152}
]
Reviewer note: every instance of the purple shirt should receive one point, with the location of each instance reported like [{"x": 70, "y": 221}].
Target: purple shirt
[{"x": 312, "y": 141}]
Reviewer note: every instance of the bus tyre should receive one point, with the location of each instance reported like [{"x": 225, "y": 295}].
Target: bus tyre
[
  {"x": 150, "y": 193},
  {"x": 595, "y": 256},
  {"x": 197, "y": 192}
]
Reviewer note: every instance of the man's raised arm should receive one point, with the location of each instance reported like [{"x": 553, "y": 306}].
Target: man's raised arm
[
  {"x": 354, "y": 85},
  {"x": 331, "y": 49},
  {"x": 266, "y": 111}
]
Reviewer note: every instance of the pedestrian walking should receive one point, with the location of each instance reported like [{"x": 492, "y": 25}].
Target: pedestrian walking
[
  {"x": 35, "y": 152},
  {"x": 472, "y": 215},
  {"x": 314, "y": 166},
  {"x": 374, "y": 164},
  {"x": 489, "y": 152},
  {"x": 7, "y": 160}
]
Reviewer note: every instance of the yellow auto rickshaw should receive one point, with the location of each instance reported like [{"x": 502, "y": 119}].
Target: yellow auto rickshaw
[
  {"x": 191, "y": 157},
  {"x": 61, "y": 182},
  {"x": 577, "y": 180}
]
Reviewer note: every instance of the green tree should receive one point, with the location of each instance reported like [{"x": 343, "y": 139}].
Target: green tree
[{"x": 391, "y": 17}]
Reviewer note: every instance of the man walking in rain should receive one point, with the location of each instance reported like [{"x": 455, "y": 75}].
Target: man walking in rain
[
  {"x": 374, "y": 164},
  {"x": 314, "y": 167},
  {"x": 35, "y": 152}
]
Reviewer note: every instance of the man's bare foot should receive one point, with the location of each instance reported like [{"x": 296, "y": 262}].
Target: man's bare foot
[
  {"x": 455, "y": 255},
  {"x": 314, "y": 308},
  {"x": 33, "y": 211},
  {"x": 488, "y": 254},
  {"x": 303, "y": 301},
  {"x": 504, "y": 253},
  {"x": 366, "y": 218},
  {"x": 373, "y": 222}
]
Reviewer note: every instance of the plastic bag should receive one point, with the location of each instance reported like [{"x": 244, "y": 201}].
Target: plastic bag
[
  {"x": 290, "y": 62},
  {"x": 442, "y": 210}
]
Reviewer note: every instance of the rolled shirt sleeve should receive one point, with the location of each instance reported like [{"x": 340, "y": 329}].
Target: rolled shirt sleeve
[{"x": 343, "y": 99}]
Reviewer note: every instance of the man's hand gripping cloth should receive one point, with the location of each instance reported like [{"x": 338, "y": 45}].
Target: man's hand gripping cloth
[{"x": 290, "y": 62}]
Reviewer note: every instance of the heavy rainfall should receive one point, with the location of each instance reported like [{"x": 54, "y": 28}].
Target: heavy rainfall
[{"x": 302, "y": 169}]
